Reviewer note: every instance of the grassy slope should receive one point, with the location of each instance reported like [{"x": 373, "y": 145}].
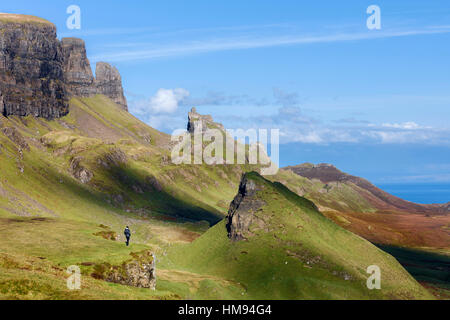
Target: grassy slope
[
  {"x": 332, "y": 198},
  {"x": 36, "y": 252},
  {"x": 21, "y": 18},
  {"x": 38, "y": 182},
  {"x": 303, "y": 256},
  {"x": 346, "y": 205},
  {"x": 397, "y": 233},
  {"x": 94, "y": 136}
]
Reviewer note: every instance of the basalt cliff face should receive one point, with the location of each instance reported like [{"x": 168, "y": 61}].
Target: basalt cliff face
[
  {"x": 80, "y": 81},
  {"x": 77, "y": 69},
  {"x": 109, "y": 83},
  {"x": 31, "y": 69},
  {"x": 39, "y": 73},
  {"x": 241, "y": 215}
]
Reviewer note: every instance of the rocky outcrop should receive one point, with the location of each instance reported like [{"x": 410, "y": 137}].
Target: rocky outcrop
[
  {"x": 115, "y": 157},
  {"x": 242, "y": 213},
  {"x": 154, "y": 183},
  {"x": 77, "y": 69},
  {"x": 200, "y": 123},
  {"x": 31, "y": 68},
  {"x": 109, "y": 83},
  {"x": 79, "y": 172},
  {"x": 16, "y": 138},
  {"x": 135, "y": 274},
  {"x": 140, "y": 271}
]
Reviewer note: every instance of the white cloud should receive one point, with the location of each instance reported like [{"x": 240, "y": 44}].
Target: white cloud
[
  {"x": 167, "y": 100},
  {"x": 309, "y": 137},
  {"x": 164, "y": 101},
  {"x": 404, "y": 125}
]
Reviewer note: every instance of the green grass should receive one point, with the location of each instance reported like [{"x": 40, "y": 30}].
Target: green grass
[
  {"x": 21, "y": 18},
  {"x": 302, "y": 256},
  {"x": 37, "y": 251},
  {"x": 38, "y": 184},
  {"x": 343, "y": 197}
]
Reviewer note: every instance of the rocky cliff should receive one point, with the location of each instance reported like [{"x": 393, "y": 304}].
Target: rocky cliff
[
  {"x": 77, "y": 69},
  {"x": 78, "y": 75},
  {"x": 39, "y": 73},
  {"x": 31, "y": 68},
  {"x": 109, "y": 83}
]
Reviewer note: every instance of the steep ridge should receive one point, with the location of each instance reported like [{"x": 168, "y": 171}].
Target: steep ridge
[{"x": 279, "y": 246}]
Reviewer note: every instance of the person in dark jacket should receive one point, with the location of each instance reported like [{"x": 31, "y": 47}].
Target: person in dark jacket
[{"x": 127, "y": 234}]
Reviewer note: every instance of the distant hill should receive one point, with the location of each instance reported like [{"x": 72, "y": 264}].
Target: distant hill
[
  {"x": 380, "y": 199},
  {"x": 359, "y": 206}
]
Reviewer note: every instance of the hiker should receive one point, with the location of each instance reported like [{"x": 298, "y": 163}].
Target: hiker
[{"x": 127, "y": 233}]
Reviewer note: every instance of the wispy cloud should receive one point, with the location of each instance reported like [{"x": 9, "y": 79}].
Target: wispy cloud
[
  {"x": 246, "y": 42},
  {"x": 105, "y": 32}
]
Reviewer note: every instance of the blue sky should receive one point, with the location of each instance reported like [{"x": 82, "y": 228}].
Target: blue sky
[{"x": 374, "y": 102}]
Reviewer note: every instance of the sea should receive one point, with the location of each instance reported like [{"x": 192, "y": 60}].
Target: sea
[{"x": 425, "y": 193}]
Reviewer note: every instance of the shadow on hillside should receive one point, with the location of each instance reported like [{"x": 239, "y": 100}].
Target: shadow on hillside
[
  {"x": 423, "y": 266},
  {"x": 160, "y": 202}
]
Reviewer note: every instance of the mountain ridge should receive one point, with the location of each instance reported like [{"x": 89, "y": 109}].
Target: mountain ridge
[{"x": 382, "y": 200}]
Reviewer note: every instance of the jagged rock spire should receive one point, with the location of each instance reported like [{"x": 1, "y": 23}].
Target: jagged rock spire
[{"x": 195, "y": 121}]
